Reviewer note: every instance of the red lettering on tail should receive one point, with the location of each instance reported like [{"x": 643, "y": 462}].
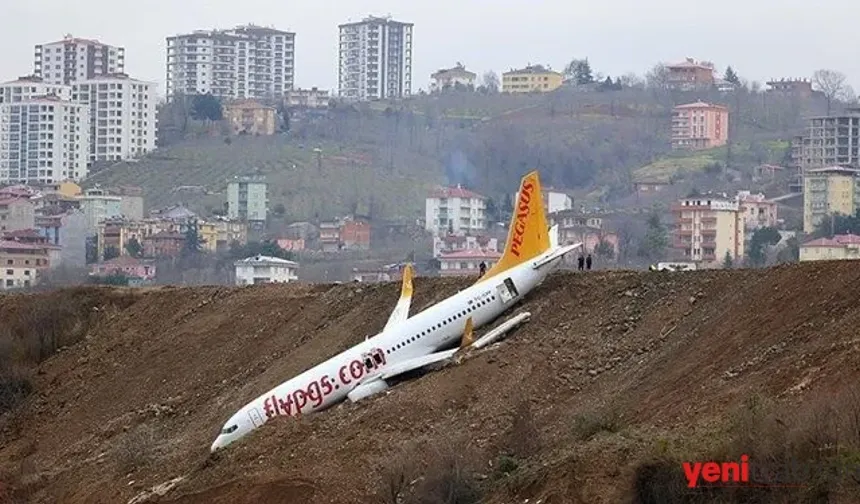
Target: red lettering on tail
[{"x": 523, "y": 207}]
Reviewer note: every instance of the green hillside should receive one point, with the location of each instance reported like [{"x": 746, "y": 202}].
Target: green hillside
[{"x": 335, "y": 182}]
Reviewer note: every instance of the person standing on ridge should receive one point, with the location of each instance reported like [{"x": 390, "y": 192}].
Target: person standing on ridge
[
  {"x": 580, "y": 261},
  {"x": 588, "y": 262},
  {"x": 482, "y": 268}
]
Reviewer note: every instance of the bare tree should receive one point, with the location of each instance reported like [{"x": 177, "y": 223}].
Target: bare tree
[
  {"x": 490, "y": 81},
  {"x": 658, "y": 77},
  {"x": 832, "y": 85}
]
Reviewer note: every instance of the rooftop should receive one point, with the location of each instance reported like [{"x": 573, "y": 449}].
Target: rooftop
[
  {"x": 834, "y": 169},
  {"x": 471, "y": 254},
  {"x": 700, "y": 104},
  {"x": 836, "y": 241},
  {"x": 531, "y": 69},
  {"x": 454, "y": 192},
  {"x": 261, "y": 260},
  {"x": 691, "y": 63},
  {"x": 69, "y": 39}
]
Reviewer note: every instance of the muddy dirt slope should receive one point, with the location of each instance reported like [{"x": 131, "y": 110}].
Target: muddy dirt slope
[{"x": 128, "y": 413}]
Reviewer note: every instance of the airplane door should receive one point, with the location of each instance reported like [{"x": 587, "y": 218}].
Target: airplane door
[
  {"x": 256, "y": 417},
  {"x": 507, "y": 291}
]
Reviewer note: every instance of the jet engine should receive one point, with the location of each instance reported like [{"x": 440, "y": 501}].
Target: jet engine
[{"x": 367, "y": 389}]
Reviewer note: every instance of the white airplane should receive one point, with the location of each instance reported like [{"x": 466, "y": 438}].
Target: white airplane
[{"x": 429, "y": 337}]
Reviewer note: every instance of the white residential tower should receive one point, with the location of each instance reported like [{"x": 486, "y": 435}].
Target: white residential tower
[
  {"x": 122, "y": 116},
  {"x": 375, "y": 59},
  {"x": 73, "y": 59},
  {"x": 245, "y": 62},
  {"x": 44, "y": 137}
]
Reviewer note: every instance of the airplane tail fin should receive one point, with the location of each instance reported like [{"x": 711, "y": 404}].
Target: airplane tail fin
[{"x": 528, "y": 236}]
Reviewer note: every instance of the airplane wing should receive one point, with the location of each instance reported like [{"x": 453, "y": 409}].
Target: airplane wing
[
  {"x": 468, "y": 342},
  {"x": 401, "y": 310}
]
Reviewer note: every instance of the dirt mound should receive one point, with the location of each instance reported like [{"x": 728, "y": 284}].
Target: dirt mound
[{"x": 611, "y": 365}]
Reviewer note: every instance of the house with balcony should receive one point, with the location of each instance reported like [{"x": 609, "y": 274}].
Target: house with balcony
[
  {"x": 690, "y": 75},
  {"x": 455, "y": 210}
]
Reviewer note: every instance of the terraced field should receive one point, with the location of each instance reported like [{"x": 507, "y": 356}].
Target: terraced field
[{"x": 335, "y": 181}]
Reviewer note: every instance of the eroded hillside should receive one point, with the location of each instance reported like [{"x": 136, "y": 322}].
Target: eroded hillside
[{"x": 615, "y": 369}]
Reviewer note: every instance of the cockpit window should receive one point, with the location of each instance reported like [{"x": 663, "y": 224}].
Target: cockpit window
[{"x": 230, "y": 429}]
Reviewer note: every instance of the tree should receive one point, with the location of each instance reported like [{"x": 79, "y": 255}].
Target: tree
[
  {"x": 110, "y": 252},
  {"x": 193, "y": 243},
  {"x": 727, "y": 261},
  {"x": 279, "y": 210},
  {"x": 133, "y": 247},
  {"x": 254, "y": 248},
  {"x": 791, "y": 252},
  {"x": 832, "y": 85},
  {"x": 656, "y": 238},
  {"x": 731, "y": 76},
  {"x": 490, "y": 82},
  {"x": 604, "y": 249},
  {"x": 579, "y": 70},
  {"x": 206, "y": 107},
  {"x": 762, "y": 238},
  {"x": 658, "y": 77},
  {"x": 836, "y": 224}
]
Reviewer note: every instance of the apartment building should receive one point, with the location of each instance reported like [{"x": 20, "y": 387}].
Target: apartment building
[
  {"x": 690, "y": 75},
  {"x": 74, "y": 59},
  {"x": 247, "y": 199},
  {"x": 454, "y": 210},
  {"x": 250, "y": 117},
  {"x": 44, "y": 137},
  {"x": 307, "y": 98},
  {"x": 122, "y": 116},
  {"x": 828, "y": 191},
  {"x": 829, "y": 141},
  {"x": 791, "y": 87},
  {"x": 757, "y": 210},
  {"x": 375, "y": 59},
  {"x": 244, "y": 62},
  {"x": 533, "y": 78},
  {"x": 699, "y": 125},
  {"x": 457, "y": 77},
  {"x": 24, "y": 256},
  {"x": 16, "y": 213},
  {"x": 707, "y": 228}
]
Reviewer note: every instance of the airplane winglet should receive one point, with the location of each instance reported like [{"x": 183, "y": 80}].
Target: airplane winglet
[
  {"x": 468, "y": 334},
  {"x": 401, "y": 309},
  {"x": 406, "y": 288}
]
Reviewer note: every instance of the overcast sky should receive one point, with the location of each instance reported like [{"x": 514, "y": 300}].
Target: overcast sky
[{"x": 759, "y": 38}]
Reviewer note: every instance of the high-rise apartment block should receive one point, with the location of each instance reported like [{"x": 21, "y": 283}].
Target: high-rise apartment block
[
  {"x": 245, "y": 62},
  {"x": 73, "y": 59},
  {"x": 44, "y": 137},
  {"x": 829, "y": 141},
  {"x": 375, "y": 59},
  {"x": 122, "y": 116}
]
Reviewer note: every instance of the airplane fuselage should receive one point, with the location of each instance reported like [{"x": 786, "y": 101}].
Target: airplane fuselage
[{"x": 437, "y": 327}]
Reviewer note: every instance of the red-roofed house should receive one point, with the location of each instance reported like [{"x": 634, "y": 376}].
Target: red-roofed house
[
  {"x": 690, "y": 74},
  {"x": 455, "y": 210},
  {"x": 840, "y": 247},
  {"x": 466, "y": 262},
  {"x": 125, "y": 265}
]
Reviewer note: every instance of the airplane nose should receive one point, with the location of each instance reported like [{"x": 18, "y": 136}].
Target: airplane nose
[{"x": 216, "y": 445}]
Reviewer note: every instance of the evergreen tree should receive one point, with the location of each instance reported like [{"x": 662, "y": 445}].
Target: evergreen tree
[
  {"x": 760, "y": 240},
  {"x": 731, "y": 76},
  {"x": 134, "y": 248}
]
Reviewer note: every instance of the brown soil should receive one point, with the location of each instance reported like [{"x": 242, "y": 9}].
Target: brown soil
[{"x": 139, "y": 401}]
